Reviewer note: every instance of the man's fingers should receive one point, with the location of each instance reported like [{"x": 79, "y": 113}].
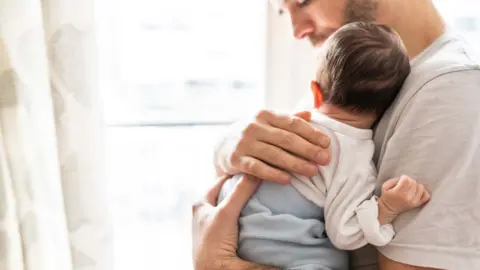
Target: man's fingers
[
  {"x": 282, "y": 159},
  {"x": 236, "y": 200},
  {"x": 214, "y": 191},
  {"x": 389, "y": 184},
  {"x": 295, "y": 125},
  {"x": 296, "y": 145},
  {"x": 263, "y": 171},
  {"x": 305, "y": 115}
]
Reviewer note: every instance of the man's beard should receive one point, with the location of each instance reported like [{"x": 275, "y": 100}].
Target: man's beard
[
  {"x": 361, "y": 10},
  {"x": 356, "y": 10}
]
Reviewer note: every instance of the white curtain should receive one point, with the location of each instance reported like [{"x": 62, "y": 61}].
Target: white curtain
[{"x": 53, "y": 206}]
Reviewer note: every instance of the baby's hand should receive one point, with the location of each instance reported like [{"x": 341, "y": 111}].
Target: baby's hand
[{"x": 403, "y": 194}]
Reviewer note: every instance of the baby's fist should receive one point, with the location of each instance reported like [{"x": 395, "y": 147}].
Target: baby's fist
[{"x": 403, "y": 194}]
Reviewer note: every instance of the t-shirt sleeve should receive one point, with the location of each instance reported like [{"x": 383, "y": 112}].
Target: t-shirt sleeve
[
  {"x": 437, "y": 142},
  {"x": 351, "y": 213}
]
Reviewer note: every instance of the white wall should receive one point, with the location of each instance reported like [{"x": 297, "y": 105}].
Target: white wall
[{"x": 290, "y": 65}]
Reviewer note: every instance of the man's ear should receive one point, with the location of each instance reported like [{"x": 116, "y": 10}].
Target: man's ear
[{"x": 317, "y": 94}]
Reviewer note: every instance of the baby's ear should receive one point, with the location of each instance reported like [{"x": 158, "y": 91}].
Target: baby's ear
[{"x": 317, "y": 94}]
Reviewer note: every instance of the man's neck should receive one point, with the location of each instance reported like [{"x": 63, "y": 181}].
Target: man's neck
[
  {"x": 356, "y": 120},
  {"x": 417, "y": 22}
]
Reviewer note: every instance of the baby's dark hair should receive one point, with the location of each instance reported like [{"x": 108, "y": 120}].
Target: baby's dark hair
[{"x": 363, "y": 68}]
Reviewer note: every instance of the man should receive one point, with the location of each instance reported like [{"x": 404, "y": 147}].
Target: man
[{"x": 431, "y": 133}]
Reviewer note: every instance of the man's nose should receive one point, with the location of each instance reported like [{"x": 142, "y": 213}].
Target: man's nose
[{"x": 302, "y": 27}]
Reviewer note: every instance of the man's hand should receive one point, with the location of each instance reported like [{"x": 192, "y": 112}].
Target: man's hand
[
  {"x": 402, "y": 194},
  {"x": 272, "y": 144},
  {"x": 215, "y": 228}
]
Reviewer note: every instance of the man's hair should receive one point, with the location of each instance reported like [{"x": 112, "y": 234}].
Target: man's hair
[{"x": 363, "y": 68}]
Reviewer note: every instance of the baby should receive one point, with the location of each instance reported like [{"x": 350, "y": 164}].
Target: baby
[{"x": 361, "y": 69}]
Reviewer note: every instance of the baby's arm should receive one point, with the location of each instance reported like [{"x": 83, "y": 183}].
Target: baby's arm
[
  {"x": 400, "y": 195},
  {"x": 352, "y": 219}
]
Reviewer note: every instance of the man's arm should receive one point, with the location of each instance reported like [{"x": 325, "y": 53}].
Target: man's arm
[
  {"x": 270, "y": 145},
  {"x": 388, "y": 264},
  {"x": 437, "y": 142},
  {"x": 215, "y": 228},
  {"x": 236, "y": 264},
  {"x": 243, "y": 265}
]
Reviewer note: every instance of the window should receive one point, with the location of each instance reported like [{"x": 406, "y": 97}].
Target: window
[
  {"x": 191, "y": 62},
  {"x": 175, "y": 73},
  {"x": 464, "y": 18}
]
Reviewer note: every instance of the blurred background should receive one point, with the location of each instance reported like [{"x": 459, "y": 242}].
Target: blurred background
[{"x": 176, "y": 74}]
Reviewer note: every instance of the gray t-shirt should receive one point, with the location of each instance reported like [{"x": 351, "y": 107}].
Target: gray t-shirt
[{"x": 432, "y": 133}]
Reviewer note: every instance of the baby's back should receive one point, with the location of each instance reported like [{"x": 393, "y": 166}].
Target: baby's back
[
  {"x": 280, "y": 227},
  {"x": 284, "y": 225}
]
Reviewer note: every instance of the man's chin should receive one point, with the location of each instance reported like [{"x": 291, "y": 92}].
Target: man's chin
[{"x": 316, "y": 44}]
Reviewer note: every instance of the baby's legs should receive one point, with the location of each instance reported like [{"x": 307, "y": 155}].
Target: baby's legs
[{"x": 279, "y": 227}]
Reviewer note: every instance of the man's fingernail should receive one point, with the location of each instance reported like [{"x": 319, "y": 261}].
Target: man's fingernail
[
  {"x": 310, "y": 167},
  {"x": 323, "y": 157},
  {"x": 325, "y": 142},
  {"x": 284, "y": 178}
]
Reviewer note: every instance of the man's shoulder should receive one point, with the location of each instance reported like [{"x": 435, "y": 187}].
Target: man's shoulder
[
  {"x": 445, "y": 81},
  {"x": 452, "y": 60},
  {"x": 450, "y": 65}
]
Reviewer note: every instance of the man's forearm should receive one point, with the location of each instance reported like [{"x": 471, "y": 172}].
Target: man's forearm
[
  {"x": 234, "y": 264},
  {"x": 385, "y": 263},
  {"x": 244, "y": 265}
]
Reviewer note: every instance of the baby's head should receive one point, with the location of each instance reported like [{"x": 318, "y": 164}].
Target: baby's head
[{"x": 361, "y": 68}]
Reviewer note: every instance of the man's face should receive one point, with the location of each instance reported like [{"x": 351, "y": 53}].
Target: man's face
[{"x": 318, "y": 19}]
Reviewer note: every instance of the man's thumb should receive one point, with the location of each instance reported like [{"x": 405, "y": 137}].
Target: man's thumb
[{"x": 305, "y": 115}]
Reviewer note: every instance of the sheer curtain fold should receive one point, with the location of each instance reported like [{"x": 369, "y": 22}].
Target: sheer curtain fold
[{"x": 53, "y": 208}]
